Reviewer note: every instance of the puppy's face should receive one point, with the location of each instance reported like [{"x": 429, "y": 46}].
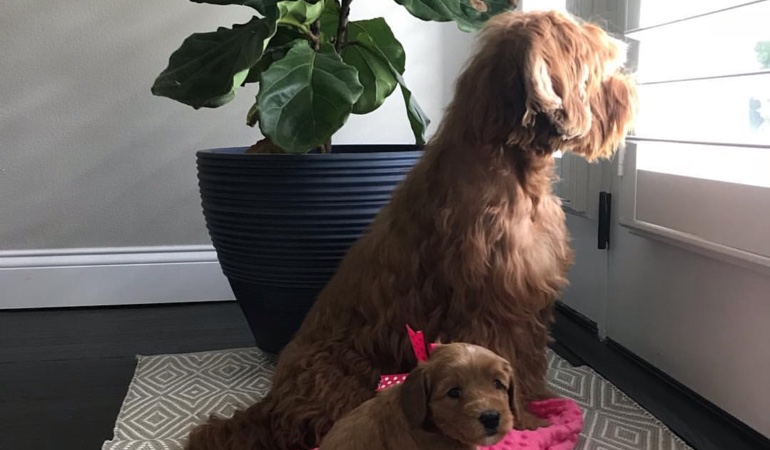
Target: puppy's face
[{"x": 464, "y": 392}]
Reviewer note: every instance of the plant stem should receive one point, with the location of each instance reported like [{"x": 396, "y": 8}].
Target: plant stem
[
  {"x": 339, "y": 43},
  {"x": 342, "y": 28},
  {"x": 315, "y": 35}
]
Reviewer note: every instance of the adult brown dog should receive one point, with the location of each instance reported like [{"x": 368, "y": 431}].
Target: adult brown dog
[
  {"x": 473, "y": 246},
  {"x": 459, "y": 399}
]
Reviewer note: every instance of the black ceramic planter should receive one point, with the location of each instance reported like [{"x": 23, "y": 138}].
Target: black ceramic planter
[{"x": 281, "y": 223}]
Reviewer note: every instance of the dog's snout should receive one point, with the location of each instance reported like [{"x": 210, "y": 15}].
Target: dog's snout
[{"x": 490, "y": 420}]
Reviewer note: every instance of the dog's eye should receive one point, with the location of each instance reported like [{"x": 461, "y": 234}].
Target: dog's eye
[
  {"x": 455, "y": 392},
  {"x": 499, "y": 385}
]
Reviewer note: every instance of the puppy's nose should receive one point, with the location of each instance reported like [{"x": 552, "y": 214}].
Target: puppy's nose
[{"x": 490, "y": 419}]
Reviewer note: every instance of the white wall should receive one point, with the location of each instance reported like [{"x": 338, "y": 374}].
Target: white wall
[{"x": 89, "y": 158}]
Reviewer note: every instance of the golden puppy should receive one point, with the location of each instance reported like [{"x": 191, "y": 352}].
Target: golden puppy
[{"x": 459, "y": 399}]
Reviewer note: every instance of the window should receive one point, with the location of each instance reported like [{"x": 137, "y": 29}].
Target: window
[
  {"x": 543, "y": 5},
  {"x": 715, "y": 69},
  {"x": 701, "y": 150}
]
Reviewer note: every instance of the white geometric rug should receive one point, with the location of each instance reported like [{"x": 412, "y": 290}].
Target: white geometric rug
[{"x": 171, "y": 393}]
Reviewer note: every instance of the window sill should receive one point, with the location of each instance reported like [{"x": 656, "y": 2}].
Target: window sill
[{"x": 698, "y": 245}]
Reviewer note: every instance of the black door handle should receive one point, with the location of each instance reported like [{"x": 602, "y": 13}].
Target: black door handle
[{"x": 605, "y": 209}]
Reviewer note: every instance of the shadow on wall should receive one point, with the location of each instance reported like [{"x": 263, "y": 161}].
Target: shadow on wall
[
  {"x": 89, "y": 158},
  {"x": 455, "y": 51}
]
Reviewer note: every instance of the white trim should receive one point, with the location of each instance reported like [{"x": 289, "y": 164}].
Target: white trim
[
  {"x": 110, "y": 276},
  {"x": 627, "y": 218},
  {"x": 106, "y": 256},
  {"x": 697, "y": 245}
]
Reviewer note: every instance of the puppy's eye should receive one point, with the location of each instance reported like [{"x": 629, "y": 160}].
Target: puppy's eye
[
  {"x": 499, "y": 385},
  {"x": 455, "y": 392}
]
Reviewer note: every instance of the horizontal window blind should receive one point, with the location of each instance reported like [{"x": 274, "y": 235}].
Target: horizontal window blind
[
  {"x": 702, "y": 142},
  {"x": 647, "y": 14},
  {"x": 705, "y": 78}
]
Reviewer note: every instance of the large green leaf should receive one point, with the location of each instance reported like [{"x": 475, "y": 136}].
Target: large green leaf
[
  {"x": 306, "y": 97},
  {"x": 382, "y": 36},
  {"x": 468, "y": 14},
  {"x": 209, "y": 67},
  {"x": 299, "y": 13},
  {"x": 279, "y": 46},
  {"x": 281, "y": 42},
  {"x": 433, "y": 10},
  {"x": 264, "y": 7},
  {"x": 330, "y": 19},
  {"x": 293, "y": 18},
  {"x": 373, "y": 73},
  {"x": 418, "y": 120}
]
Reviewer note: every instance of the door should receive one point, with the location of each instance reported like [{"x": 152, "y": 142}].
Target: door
[{"x": 586, "y": 191}]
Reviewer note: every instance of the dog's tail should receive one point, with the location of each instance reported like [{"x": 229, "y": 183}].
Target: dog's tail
[
  {"x": 250, "y": 429},
  {"x": 237, "y": 432}
]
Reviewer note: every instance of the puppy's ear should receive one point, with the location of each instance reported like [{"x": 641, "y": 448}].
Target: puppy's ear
[
  {"x": 415, "y": 393},
  {"x": 514, "y": 400}
]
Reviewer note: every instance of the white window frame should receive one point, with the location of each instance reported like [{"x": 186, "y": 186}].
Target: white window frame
[
  {"x": 627, "y": 218},
  {"x": 628, "y": 212}
]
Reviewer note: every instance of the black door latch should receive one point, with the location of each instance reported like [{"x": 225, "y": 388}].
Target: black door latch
[{"x": 605, "y": 208}]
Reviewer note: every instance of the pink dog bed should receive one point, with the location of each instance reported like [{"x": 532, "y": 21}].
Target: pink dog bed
[{"x": 564, "y": 414}]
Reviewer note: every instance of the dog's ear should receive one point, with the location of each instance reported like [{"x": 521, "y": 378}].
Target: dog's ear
[
  {"x": 618, "y": 106},
  {"x": 415, "y": 393},
  {"x": 554, "y": 79},
  {"x": 525, "y": 76}
]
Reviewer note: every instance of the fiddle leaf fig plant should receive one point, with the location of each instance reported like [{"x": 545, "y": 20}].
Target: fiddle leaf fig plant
[{"x": 313, "y": 66}]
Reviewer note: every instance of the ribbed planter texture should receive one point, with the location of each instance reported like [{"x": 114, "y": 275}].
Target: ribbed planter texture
[{"x": 281, "y": 223}]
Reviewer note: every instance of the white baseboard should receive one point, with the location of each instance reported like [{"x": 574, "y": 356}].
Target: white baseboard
[{"x": 110, "y": 276}]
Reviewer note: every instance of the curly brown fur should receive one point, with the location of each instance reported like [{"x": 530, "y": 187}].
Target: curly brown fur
[
  {"x": 459, "y": 399},
  {"x": 473, "y": 245}
]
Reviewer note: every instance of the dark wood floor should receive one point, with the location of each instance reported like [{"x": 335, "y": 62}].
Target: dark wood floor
[{"x": 64, "y": 373}]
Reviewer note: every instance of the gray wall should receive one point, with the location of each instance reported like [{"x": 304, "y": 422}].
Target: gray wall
[{"x": 89, "y": 158}]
